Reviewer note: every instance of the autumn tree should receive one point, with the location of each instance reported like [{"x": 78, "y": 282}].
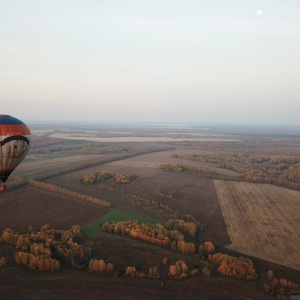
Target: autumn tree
[
  {"x": 2, "y": 261},
  {"x": 232, "y": 266},
  {"x": 132, "y": 272},
  {"x": 178, "y": 271},
  {"x": 206, "y": 271},
  {"x": 153, "y": 272},
  {"x": 280, "y": 288}
]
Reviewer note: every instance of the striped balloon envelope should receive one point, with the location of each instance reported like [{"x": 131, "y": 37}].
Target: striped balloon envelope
[{"x": 14, "y": 145}]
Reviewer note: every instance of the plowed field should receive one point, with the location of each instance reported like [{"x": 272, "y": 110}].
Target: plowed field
[{"x": 262, "y": 220}]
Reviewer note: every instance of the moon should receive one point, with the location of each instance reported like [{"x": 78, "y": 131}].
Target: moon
[{"x": 259, "y": 12}]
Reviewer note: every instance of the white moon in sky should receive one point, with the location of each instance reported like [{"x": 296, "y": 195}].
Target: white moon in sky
[{"x": 259, "y": 12}]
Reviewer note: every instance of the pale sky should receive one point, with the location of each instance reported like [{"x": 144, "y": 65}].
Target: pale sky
[{"x": 216, "y": 61}]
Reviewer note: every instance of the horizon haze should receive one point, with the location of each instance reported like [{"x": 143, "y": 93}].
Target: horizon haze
[{"x": 229, "y": 62}]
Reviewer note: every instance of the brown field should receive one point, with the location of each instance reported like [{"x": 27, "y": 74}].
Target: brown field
[
  {"x": 28, "y": 205},
  {"x": 262, "y": 220},
  {"x": 80, "y": 286}
]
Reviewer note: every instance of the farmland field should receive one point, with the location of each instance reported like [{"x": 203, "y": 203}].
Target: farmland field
[
  {"x": 28, "y": 205},
  {"x": 195, "y": 195},
  {"x": 257, "y": 221},
  {"x": 44, "y": 164},
  {"x": 262, "y": 220}
]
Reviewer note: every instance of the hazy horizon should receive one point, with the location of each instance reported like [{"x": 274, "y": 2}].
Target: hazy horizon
[
  {"x": 133, "y": 61},
  {"x": 153, "y": 123}
]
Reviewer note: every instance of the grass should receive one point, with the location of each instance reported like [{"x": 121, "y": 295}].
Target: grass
[{"x": 115, "y": 215}]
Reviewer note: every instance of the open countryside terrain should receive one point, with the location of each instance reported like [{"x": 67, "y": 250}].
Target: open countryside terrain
[
  {"x": 242, "y": 218},
  {"x": 258, "y": 220},
  {"x": 194, "y": 195}
]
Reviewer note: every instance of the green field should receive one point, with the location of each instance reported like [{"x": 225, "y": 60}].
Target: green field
[{"x": 115, "y": 215}]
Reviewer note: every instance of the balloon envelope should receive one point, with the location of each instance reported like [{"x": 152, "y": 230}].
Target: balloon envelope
[{"x": 14, "y": 145}]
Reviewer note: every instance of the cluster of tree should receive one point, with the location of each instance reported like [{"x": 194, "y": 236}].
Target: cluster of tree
[
  {"x": 206, "y": 249},
  {"x": 46, "y": 244},
  {"x": 40, "y": 250},
  {"x": 36, "y": 262},
  {"x": 232, "y": 266},
  {"x": 169, "y": 195},
  {"x": 153, "y": 272},
  {"x": 163, "y": 210},
  {"x": 97, "y": 176},
  {"x": 280, "y": 288},
  {"x": 154, "y": 234},
  {"x": 75, "y": 255},
  {"x": 177, "y": 271},
  {"x": 100, "y": 266},
  {"x": 180, "y": 271},
  {"x": 123, "y": 178},
  {"x": 133, "y": 273},
  {"x": 187, "y": 228},
  {"x": 67, "y": 192},
  {"x": 279, "y": 171},
  {"x": 181, "y": 168},
  {"x": 183, "y": 247},
  {"x": 103, "y": 187},
  {"x": 159, "y": 235}
]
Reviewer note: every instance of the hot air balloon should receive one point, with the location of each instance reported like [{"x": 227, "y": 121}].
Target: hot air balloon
[{"x": 14, "y": 145}]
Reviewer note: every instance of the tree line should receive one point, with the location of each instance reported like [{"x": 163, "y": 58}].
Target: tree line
[
  {"x": 63, "y": 191},
  {"x": 191, "y": 169},
  {"x": 169, "y": 195},
  {"x": 280, "y": 171},
  {"x": 123, "y": 178}
]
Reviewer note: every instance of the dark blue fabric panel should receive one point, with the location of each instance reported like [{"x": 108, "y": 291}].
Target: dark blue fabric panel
[{"x": 8, "y": 120}]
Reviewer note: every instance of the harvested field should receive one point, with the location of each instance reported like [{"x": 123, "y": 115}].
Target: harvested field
[
  {"x": 34, "y": 168},
  {"x": 262, "y": 220}
]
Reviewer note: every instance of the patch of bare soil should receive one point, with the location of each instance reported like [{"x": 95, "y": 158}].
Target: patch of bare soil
[{"x": 28, "y": 205}]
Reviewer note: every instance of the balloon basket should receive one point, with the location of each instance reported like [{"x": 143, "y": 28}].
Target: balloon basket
[{"x": 2, "y": 187}]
